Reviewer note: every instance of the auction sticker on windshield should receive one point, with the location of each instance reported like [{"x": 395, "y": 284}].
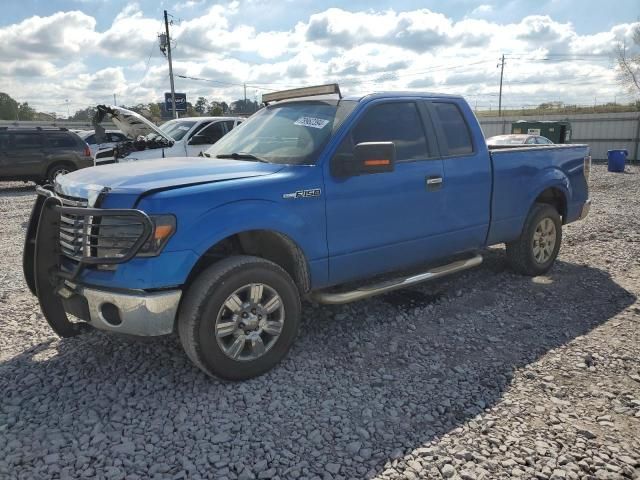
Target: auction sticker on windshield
[{"x": 311, "y": 122}]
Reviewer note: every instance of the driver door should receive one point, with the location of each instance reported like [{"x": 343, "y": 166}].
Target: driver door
[{"x": 382, "y": 222}]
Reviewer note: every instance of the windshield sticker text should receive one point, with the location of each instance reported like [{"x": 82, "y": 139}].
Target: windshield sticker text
[{"x": 311, "y": 122}]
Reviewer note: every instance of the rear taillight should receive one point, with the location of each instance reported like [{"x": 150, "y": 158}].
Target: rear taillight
[
  {"x": 587, "y": 167},
  {"x": 87, "y": 150}
]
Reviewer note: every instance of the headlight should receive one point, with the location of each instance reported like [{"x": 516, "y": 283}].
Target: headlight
[
  {"x": 117, "y": 235},
  {"x": 164, "y": 226}
]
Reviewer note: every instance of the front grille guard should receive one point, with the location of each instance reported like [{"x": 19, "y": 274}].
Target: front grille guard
[
  {"x": 84, "y": 260},
  {"x": 95, "y": 213}
]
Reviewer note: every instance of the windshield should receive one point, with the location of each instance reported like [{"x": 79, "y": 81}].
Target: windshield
[
  {"x": 177, "y": 129},
  {"x": 288, "y": 133}
]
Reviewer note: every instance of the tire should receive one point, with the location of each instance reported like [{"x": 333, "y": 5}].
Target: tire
[
  {"x": 59, "y": 169},
  {"x": 523, "y": 255},
  {"x": 205, "y": 309}
]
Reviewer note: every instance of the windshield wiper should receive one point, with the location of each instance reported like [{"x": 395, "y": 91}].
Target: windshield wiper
[{"x": 242, "y": 156}]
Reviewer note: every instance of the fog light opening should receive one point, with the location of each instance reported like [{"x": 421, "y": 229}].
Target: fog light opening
[{"x": 110, "y": 314}]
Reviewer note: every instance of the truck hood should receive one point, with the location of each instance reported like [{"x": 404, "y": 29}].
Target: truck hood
[
  {"x": 161, "y": 174},
  {"x": 130, "y": 123}
]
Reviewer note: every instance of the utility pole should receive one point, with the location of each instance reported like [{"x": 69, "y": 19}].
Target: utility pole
[
  {"x": 173, "y": 90},
  {"x": 115, "y": 104},
  {"x": 245, "y": 95},
  {"x": 501, "y": 65}
]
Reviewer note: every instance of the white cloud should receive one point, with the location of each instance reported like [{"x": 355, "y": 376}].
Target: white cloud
[
  {"x": 61, "y": 34},
  {"x": 363, "y": 50}
]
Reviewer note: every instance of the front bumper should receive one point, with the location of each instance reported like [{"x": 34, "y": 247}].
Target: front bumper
[
  {"x": 585, "y": 209},
  {"x": 60, "y": 291},
  {"x": 134, "y": 313}
]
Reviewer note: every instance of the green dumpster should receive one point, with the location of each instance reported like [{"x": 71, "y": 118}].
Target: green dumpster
[{"x": 556, "y": 131}]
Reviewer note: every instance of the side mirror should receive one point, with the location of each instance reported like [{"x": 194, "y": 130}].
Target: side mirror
[
  {"x": 368, "y": 157},
  {"x": 200, "y": 140}
]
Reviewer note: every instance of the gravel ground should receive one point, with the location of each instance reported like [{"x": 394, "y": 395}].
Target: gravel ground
[{"x": 484, "y": 375}]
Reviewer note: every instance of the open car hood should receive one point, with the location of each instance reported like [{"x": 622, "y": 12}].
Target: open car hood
[{"x": 130, "y": 123}]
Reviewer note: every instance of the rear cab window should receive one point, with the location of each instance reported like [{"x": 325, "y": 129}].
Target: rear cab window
[{"x": 456, "y": 134}]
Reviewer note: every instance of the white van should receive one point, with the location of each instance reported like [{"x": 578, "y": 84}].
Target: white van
[{"x": 182, "y": 137}]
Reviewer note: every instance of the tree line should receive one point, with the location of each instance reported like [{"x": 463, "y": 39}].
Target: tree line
[{"x": 11, "y": 109}]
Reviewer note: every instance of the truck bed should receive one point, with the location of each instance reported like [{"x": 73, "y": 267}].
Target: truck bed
[{"x": 521, "y": 174}]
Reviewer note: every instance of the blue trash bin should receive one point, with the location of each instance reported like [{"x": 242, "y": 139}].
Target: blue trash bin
[{"x": 617, "y": 160}]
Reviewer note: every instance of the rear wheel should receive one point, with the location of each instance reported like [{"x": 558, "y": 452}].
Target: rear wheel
[
  {"x": 537, "y": 248},
  {"x": 60, "y": 169},
  {"x": 239, "y": 318}
]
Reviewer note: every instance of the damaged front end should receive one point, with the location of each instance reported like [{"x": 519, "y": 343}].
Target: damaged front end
[{"x": 65, "y": 236}]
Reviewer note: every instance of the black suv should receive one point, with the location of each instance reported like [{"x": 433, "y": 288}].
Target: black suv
[{"x": 41, "y": 153}]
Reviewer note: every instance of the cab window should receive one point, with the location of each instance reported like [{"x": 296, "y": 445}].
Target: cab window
[
  {"x": 397, "y": 122},
  {"x": 456, "y": 131}
]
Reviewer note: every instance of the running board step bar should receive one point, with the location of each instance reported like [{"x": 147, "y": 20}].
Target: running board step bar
[{"x": 337, "y": 298}]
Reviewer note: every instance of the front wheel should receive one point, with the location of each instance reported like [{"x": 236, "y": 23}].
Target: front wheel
[
  {"x": 537, "y": 248},
  {"x": 239, "y": 318}
]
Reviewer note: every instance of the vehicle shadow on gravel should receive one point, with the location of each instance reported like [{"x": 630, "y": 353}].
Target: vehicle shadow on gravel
[{"x": 364, "y": 385}]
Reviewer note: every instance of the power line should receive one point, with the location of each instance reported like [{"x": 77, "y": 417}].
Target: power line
[
  {"x": 227, "y": 83},
  {"x": 146, "y": 69}
]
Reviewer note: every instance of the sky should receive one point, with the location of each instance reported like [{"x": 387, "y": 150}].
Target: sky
[{"x": 65, "y": 55}]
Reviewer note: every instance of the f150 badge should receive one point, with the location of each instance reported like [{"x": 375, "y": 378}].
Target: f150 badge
[{"x": 312, "y": 192}]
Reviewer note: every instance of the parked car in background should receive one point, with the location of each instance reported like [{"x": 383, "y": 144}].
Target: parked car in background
[
  {"x": 40, "y": 154},
  {"x": 109, "y": 139},
  {"x": 516, "y": 140},
  {"x": 332, "y": 199},
  {"x": 183, "y": 137}
]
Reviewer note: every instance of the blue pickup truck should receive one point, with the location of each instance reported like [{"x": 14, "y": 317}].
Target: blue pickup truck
[{"x": 314, "y": 197}]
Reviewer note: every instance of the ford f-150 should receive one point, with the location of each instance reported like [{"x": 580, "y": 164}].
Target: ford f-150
[{"x": 315, "y": 196}]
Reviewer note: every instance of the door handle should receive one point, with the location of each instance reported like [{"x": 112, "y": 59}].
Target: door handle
[{"x": 434, "y": 183}]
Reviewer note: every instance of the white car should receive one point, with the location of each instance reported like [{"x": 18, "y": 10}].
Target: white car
[
  {"x": 110, "y": 139},
  {"x": 182, "y": 137}
]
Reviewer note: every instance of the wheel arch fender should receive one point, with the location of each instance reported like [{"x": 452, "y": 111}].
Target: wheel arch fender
[
  {"x": 551, "y": 186},
  {"x": 235, "y": 228}
]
